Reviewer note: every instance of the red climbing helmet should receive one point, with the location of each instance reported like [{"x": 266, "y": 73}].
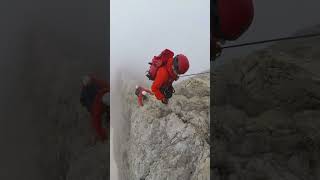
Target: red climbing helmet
[
  {"x": 232, "y": 18},
  {"x": 180, "y": 64}
]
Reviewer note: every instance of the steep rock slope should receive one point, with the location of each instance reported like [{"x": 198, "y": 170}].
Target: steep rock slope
[
  {"x": 266, "y": 111},
  {"x": 165, "y": 142}
]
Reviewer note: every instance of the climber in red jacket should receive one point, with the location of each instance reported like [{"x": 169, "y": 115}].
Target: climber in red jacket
[
  {"x": 231, "y": 18},
  {"x": 96, "y": 98},
  {"x": 165, "y": 74}
]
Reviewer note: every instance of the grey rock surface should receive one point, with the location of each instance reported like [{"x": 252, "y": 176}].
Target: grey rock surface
[
  {"x": 266, "y": 112},
  {"x": 165, "y": 142}
]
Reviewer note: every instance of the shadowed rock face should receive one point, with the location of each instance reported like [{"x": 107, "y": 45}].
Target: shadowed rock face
[
  {"x": 165, "y": 142},
  {"x": 266, "y": 111}
]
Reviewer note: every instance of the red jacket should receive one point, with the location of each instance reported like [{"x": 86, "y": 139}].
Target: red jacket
[
  {"x": 98, "y": 108},
  {"x": 165, "y": 77}
]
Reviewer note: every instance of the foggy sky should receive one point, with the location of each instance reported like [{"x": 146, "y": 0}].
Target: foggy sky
[{"x": 141, "y": 29}]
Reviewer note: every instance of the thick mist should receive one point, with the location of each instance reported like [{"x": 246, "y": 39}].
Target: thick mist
[{"x": 141, "y": 29}]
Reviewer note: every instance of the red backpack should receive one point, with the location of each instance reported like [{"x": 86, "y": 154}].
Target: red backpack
[{"x": 157, "y": 62}]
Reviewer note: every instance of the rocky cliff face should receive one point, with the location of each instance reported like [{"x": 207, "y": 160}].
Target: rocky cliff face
[
  {"x": 266, "y": 111},
  {"x": 164, "y": 142}
]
